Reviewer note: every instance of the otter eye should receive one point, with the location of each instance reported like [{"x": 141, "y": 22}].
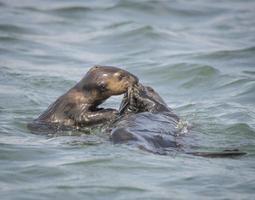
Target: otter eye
[
  {"x": 102, "y": 87},
  {"x": 120, "y": 77}
]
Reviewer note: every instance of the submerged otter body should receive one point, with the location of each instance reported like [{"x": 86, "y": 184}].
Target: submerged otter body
[
  {"x": 148, "y": 123},
  {"x": 78, "y": 106}
]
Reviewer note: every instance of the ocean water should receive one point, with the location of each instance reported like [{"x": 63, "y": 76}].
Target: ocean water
[{"x": 199, "y": 55}]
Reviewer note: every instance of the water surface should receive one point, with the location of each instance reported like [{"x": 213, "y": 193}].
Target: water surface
[{"x": 199, "y": 55}]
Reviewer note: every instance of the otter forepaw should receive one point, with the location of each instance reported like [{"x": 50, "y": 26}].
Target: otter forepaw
[
  {"x": 137, "y": 96},
  {"x": 111, "y": 114},
  {"x": 133, "y": 100}
]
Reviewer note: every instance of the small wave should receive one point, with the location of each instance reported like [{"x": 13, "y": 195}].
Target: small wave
[
  {"x": 5, "y": 51},
  {"x": 17, "y": 78},
  {"x": 247, "y": 93},
  {"x": 235, "y": 83},
  {"x": 114, "y": 189},
  {"x": 184, "y": 73},
  {"x": 58, "y": 9},
  {"x": 240, "y": 129},
  {"x": 175, "y": 8},
  {"x": 8, "y": 39},
  {"x": 143, "y": 31},
  {"x": 138, "y": 34},
  {"x": 249, "y": 72},
  {"x": 46, "y": 82},
  {"x": 202, "y": 77},
  {"x": 13, "y": 28},
  {"x": 120, "y": 24},
  {"x": 71, "y": 9},
  {"x": 13, "y": 39},
  {"x": 227, "y": 54},
  {"x": 89, "y": 161},
  {"x": 63, "y": 11}
]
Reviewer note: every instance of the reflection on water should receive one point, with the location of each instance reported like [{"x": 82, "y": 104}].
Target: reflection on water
[{"x": 199, "y": 55}]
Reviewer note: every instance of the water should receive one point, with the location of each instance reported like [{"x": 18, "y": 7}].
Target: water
[{"x": 199, "y": 55}]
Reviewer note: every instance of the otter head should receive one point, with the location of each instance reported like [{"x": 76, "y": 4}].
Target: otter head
[
  {"x": 152, "y": 94},
  {"x": 107, "y": 81}
]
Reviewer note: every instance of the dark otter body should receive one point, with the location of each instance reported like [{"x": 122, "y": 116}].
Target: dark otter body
[
  {"x": 78, "y": 106},
  {"x": 148, "y": 123}
]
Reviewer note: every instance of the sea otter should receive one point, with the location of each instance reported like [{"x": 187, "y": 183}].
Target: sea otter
[
  {"x": 148, "y": 123},
  {"x": 145, "y": 121},
  {"x": 78, "y": 106}
]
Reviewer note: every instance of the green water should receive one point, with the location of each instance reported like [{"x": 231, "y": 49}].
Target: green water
[{"x": 199, "y": 55}]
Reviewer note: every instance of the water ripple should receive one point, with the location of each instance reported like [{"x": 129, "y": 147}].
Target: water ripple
[
  {"x": 199, "y": 55},
  {"x": 228, "y": 54}
]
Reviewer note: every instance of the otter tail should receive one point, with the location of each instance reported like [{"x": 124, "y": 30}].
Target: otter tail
[{"x": 220, "y": 154}]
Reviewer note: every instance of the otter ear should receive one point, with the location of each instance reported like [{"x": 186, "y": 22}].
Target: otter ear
[{"x": 150, "y": 88}]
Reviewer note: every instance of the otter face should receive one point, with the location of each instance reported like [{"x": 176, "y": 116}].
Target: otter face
[
  {"x": 119, "y": 82},
  {"x": 108, "y": 80}
]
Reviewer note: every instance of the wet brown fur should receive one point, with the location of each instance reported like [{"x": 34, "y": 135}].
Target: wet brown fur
[{"x": 78, "y": 106}]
